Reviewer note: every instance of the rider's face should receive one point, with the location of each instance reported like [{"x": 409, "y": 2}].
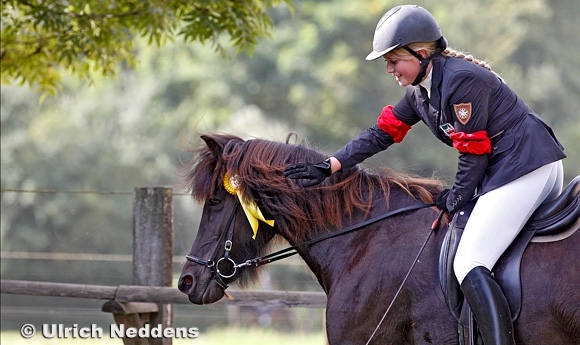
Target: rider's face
[{"x": 404, "y": 68}]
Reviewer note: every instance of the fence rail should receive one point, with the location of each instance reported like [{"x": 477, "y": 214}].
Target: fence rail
[
  {"x": 151, "y": 298},
  {"x": 158, "y": 294}
]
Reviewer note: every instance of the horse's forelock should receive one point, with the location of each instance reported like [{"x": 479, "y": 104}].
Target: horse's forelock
[
  {"x": 201, "y": 181},
  {"x": 200, "y": 175}
]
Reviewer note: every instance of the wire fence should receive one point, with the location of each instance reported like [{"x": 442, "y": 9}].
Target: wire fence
[
  {"x": 59, "y": 191},
  {"x": 178, "y": 259},
  {"x": 69, "y": 256}
]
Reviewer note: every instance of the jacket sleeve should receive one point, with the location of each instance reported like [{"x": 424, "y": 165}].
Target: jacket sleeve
[
  {"x": 469, "y": 106},
  {"x": 377, "y": 139},
  {"x": 470, "y": 170},
  {"x": 365, "y": 145}
]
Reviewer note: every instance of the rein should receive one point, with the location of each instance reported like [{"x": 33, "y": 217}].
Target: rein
[
  {"x": 434, "y": 227},
  {"x": 228, "y": 233},
  {"x": 292, "y": 250}
]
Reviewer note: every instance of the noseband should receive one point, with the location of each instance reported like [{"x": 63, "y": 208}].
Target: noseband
[{"x": 212, "y": 264}]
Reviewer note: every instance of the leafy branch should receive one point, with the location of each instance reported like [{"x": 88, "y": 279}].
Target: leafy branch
[{"x": 41, "y": 39}]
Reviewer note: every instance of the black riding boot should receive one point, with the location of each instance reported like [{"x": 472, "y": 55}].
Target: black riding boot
[{"x": 490, "y": 307}]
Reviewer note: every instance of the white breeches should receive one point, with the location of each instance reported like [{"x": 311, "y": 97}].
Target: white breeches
[{"x": 499, "y": 215}]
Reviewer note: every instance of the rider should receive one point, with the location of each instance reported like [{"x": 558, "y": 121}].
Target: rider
[{"x": 506, "y": 152}]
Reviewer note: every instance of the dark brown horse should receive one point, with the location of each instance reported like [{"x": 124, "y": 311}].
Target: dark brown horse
[{"x": 359, "y": 271}]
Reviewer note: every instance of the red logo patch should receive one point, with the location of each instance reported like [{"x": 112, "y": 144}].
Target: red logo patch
[{"x": 463, "y": 112}]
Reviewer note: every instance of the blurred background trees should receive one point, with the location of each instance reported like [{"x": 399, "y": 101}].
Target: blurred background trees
[
  {"x": 40, "y": 39},
  {"x": 119, "y": 120}
]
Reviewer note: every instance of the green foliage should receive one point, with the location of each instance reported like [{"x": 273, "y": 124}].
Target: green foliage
[{"x": 41, "y": 38}]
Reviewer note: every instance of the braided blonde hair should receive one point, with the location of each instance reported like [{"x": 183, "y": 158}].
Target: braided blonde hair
[
  {"x": 432, "y": 48},
  {"x": 461, "y": 55}
]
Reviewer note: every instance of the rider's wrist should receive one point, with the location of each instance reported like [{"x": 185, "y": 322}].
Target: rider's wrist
[{"x": 334, "y": 164}]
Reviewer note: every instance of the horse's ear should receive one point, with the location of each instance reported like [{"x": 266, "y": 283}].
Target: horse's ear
[{"x": 214, "y": 146}]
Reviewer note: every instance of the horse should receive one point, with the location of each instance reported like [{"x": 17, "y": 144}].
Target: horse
[{"x": 360, "y": 271}]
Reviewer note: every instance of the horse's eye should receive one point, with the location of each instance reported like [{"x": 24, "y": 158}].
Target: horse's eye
[{"x": 214, "y": 202}]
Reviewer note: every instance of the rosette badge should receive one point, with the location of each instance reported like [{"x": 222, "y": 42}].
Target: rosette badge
[{"x": 253, "y": 213}]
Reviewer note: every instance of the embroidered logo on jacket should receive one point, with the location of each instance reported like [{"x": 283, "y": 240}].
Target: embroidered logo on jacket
[{"x": 463, "y": 112}]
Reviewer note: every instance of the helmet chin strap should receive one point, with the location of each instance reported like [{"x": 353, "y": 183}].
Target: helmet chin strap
[{"x": 424, "y": 63}]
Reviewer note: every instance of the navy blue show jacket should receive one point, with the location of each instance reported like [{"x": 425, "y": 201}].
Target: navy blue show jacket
[{"x": 520, "y": 140}]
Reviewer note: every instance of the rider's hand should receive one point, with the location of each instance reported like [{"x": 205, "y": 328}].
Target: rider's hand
[
  {"x": 441, "y": 200},
  {"x": 308, "y": 174}
]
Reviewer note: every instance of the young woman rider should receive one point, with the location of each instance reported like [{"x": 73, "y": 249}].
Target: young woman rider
[{"x": 507, "y": 154}]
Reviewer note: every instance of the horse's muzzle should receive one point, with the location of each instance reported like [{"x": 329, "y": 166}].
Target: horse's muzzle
[{"x": 204, "y": 293}]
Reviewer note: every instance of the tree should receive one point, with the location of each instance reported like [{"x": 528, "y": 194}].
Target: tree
[{"x": 41, "y": 38}]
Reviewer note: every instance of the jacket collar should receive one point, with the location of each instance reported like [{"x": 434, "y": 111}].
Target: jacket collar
[
  {"x": 426, "y": 83},
  {"x": 436, "y": 78}
]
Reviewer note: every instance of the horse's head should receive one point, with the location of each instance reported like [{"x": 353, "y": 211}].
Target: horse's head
[
  {"x": 231, "y": 177},
  {"x": 240, "y": 182}
]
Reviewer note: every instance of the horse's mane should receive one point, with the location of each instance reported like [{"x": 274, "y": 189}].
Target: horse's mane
[{"x": 259, "y": 165}]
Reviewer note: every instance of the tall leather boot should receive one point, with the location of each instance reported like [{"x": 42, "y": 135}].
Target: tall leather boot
[{"x": 490, "y": 307}]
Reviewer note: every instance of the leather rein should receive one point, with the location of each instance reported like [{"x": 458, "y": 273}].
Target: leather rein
[{"x": 226, "y": 262}]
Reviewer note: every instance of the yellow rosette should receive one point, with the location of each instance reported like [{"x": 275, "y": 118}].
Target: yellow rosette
[{"x": 250, "y": 208}]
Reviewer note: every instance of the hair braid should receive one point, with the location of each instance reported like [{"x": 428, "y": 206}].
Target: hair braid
[{"x": 452, "y": 52}]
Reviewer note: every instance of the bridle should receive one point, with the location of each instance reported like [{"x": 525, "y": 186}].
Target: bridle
[{"x": 214, "y": 263}]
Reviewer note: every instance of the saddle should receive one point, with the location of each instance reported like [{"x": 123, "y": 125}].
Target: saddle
[{"x": 552, "y": 221}]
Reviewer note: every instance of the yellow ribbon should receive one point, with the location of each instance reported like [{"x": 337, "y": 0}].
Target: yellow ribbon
[{"x": 250, "y": 208}]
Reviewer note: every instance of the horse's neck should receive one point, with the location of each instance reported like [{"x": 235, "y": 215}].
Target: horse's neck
[
  {"x": 394, "y": 239},
  {"x": 327, "y": 259}
]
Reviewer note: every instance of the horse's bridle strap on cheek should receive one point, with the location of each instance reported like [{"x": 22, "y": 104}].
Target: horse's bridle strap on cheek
[{"x": 214, "y": 262}]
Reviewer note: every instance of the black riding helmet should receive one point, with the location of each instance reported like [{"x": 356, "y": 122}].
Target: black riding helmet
[{"x": 403, "y": 25}]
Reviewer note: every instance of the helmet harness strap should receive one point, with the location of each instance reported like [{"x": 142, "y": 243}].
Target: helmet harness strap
[{"x": 424, "y": 63}]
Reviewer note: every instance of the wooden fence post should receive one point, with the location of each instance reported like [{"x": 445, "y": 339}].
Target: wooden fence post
[{"x": 153, "y": 247}]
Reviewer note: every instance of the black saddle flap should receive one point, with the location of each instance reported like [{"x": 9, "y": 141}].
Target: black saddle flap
[{"x": 447, "y": 279}]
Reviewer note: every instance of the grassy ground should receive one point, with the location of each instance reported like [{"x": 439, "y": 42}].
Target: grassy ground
[{"x": 212, "y": 337}]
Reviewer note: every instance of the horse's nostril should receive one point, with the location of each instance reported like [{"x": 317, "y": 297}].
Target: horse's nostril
[{"x": 186, "y": 283}]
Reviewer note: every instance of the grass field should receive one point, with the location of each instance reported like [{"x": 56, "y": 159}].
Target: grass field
[{"x": 211, "y": 337}]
